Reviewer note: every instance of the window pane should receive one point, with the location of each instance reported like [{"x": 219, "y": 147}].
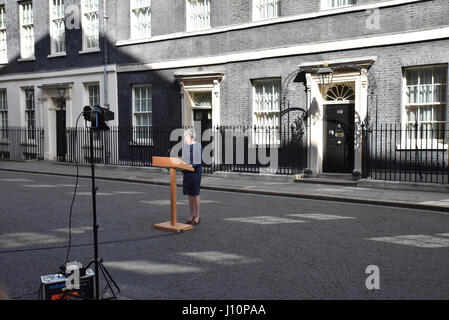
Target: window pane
[
  {"x": 26, "y": 30},
  {"x": 412, "y": 113},
  {"x": 425, "y": 76},
  {"x": 57, "y": 30},
  {"x": 3, "y": 103},
  {"x": 425, "y": 113},
  {"x": 258, "y": 96},
  {"x": 425, "y": 93},
  {"x": 3, "y": 115},
  {"x": 340, "y": 3},
  {"x": 276, "y": 95},
  {"x": 440, "y": 75},
  {"x": 94, "y": 95},
  {"x": 412, "y": 77},
  {"x": 137, "y": 105},
  {"x": 439, "y": 113},
  {"x": 439, "y": 93},
  {"x": 142, "y": 111},
  {"x": 2, "y": 17},
  {"x": 3, "y": 42},
  {"x": 90, "y": 24},
  {"x": 198, "y": 14},
  {"x": 266, "y": 104},
  {"x": 266, "y": 9},
  {"x": 140, "y": 19},
  {"x": 438, "y": 131},
  {"x": 412, "y": 94}
]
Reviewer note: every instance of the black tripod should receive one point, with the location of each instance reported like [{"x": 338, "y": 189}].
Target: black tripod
[{"x": 98, "y": 262}]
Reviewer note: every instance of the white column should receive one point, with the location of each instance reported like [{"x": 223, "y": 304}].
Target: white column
[
  {"x": 361, "y": 94},
  {"x": 51, "y": 129},
  {"x": 216, "y": 104},
  {"x": 316, "y": 125},
  {"x": 184, "y": 105},
  {"x": 44, "y": 123}
]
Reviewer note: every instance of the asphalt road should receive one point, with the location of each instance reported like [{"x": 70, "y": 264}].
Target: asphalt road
[{"x": 246, "y": 246}]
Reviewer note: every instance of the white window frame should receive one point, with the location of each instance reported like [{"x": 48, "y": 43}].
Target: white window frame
[
  {"x": 30, "y": 138},
  {"x": 201, "y": 20},
  {"x": 142, "y": 7},
  {"x": 27, "y": 50},
  {"x": 413, "y": 143},
  {"x": 266, "y": 9},
  {"x": 337, "y": 4},
  {"x": 136, "y": 139},
  {"x": 271, "y": 112},
  {"x": 3, "y": 114},
  {"x": 94, "y": 99},
  {"x": 85, "y": 24},
  {"x": 91, "y": 96},
  {"x": 57, "y": 26},
  {"x": 3, "y": 39}
]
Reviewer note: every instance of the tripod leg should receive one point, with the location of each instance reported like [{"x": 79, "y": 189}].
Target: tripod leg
[
  {"x": 106, "y": 272},
  {"x": 108, "y": 285},
  {"x": 108, "y": 279}
]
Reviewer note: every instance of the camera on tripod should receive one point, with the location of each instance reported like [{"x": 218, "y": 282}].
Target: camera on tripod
[
  {"x": 98, "y": 116},
  {"x": 74, "y": 281}
]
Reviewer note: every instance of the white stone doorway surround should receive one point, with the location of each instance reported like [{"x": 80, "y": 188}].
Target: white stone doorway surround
[
  {"x": 203, "y": 84},
  {"x": 316, "y": 102}
]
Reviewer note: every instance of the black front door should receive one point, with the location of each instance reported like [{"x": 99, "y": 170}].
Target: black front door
[
  {"x": 339, "y": 138},
  {"x": 61, "y": 140},
  {"x": 203, "y": 117}
]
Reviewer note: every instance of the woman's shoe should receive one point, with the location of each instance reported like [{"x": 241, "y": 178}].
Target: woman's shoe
[
  {"x": 195, "y": 223},
  {"x": 190, "y": 221}
]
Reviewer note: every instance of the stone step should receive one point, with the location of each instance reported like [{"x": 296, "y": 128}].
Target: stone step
[{"x": 329, "y": 178}]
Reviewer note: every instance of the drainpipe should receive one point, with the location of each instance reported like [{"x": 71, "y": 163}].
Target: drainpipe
[
  {"x": 106, "y": 54},
  {"x": 105, "y": 81}
]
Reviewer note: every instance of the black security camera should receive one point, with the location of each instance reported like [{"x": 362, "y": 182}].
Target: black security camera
[{"x": 98, "y": 116}]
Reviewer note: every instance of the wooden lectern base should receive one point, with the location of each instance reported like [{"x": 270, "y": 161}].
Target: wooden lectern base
[
  {"x": 177, "y": 227},
  {"x": 173, "y": 164}
]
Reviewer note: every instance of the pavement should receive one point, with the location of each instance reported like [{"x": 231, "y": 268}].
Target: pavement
[{"x": 416, "y": 198}]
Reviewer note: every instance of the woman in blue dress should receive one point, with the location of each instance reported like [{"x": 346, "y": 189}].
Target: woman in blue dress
[{"x": 191, "y": 154}]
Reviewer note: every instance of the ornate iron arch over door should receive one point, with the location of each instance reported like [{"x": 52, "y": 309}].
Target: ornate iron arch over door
[{"x": 293, "y": 126}]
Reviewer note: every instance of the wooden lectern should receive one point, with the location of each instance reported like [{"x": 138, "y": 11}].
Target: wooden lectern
[{"x": 173, "y": 164}]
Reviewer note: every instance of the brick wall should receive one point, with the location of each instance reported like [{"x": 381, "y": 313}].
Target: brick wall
[
  {"x": 236, "y": 86},
  {"x": 416, "y": 16},
  {"x": 387, "y": 70}
]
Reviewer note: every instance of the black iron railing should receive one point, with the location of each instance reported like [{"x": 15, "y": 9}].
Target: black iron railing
[
  {"x": 21, "y": 143},
  {"x": 226, "y": 148},
  {"x": 411, "y": 152}
]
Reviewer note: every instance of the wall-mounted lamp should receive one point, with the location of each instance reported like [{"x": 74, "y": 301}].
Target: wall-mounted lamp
[
  {"x": 325, "y": 73},
  {"x": 61, "y": 92}
]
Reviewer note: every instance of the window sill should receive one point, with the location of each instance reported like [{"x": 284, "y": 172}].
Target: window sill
[
  {"x": 431, "y": 146},
  {"x": 3, "y": 63},
  {"x": 141, "y": 143},
  {"x": 87, "y": 51},
  {"x": 26, "y": 59},
  {"x": 266, "y": 19},
  {"x": 137, "y": 39},
  {"x": 325, "y": 8},
  {"x": 268, "y": 111},
  {"x": 198, "y": 30},
  {"x": 57, "y": 55}
]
